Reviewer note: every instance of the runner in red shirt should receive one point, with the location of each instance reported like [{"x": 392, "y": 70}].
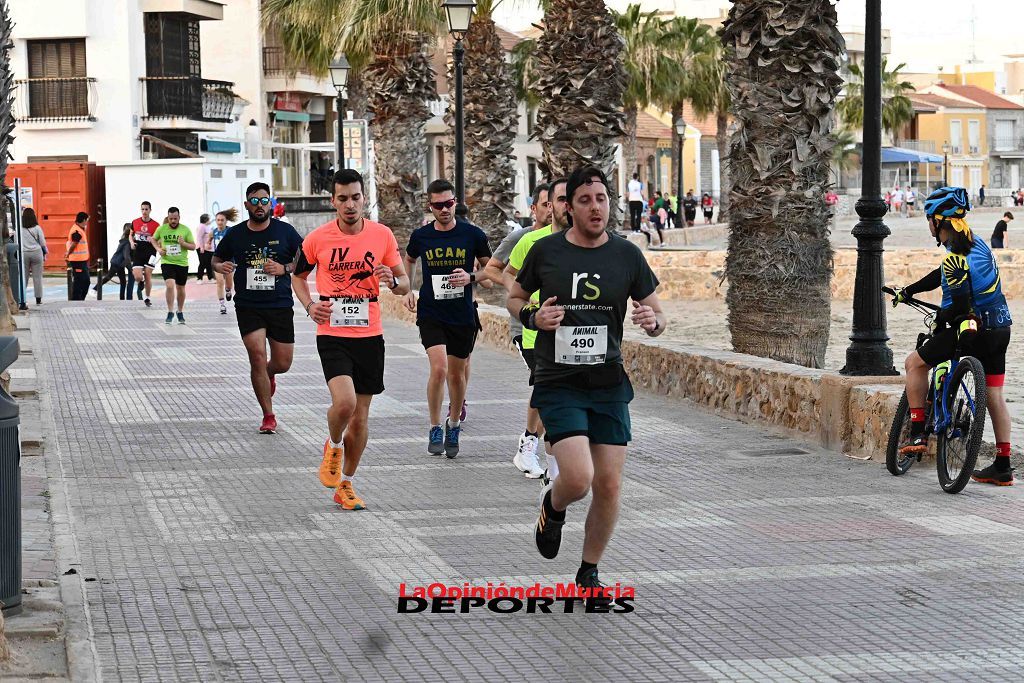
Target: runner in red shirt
[
  {"x": 353, "y": 258},
  {"x": 143, "y": 251}
]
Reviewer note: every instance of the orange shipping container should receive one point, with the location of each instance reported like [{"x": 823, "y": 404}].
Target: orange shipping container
[{"x": 58, "y": 191}]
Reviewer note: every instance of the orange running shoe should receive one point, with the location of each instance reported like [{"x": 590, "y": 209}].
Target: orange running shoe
[
  {"x": 330, "y": 466},
  {"x": 347, "y": 498}
]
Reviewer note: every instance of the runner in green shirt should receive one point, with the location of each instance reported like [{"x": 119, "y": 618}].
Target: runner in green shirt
[
  {"x": 173, "y": 241},
  {"x": 528, "y": 461}
]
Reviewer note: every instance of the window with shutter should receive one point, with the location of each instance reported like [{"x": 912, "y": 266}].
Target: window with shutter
[
  {"x": 57, "y": 87},
  {"x": 173, "y": 86}
]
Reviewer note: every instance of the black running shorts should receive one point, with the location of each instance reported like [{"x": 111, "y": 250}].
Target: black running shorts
[
  {"x": 361, "y": 358},
  {"x": 458, "y": 340},
  {"x": 179, "y": 274},
  {"x": 144, "y": 255},
  {"x": 279, "y": 323}
]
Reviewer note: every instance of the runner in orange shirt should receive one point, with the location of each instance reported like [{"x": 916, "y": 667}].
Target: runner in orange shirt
[{"x": 353, "y": 257}]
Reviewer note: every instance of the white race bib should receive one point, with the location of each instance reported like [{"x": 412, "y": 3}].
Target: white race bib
[
  {"x": 258, "y": 280},
  {"x": 444, "y": 289},
  {"x": 172, "y": 248},
  {"x": 581, "y": 345},
  {"x": 350, "y": 312}
]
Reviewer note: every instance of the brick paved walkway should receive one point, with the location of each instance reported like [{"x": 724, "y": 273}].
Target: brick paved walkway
[{"x": 212, "y": 553}]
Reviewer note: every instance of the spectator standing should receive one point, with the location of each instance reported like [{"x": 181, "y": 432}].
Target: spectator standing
[
  {"x": 33, "y": 247},
  {"x": 636, "y": 202},
  {"x": 1000, "y": 240},
  {"x": 672, "y": 204},
  {"x": 981, "y": 196},
  {"x": 204, "y": 249},
  {"x": 77, "y": 256}
]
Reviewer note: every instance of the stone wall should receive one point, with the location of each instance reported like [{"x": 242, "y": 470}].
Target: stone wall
[
  {"x": 698, "y": 274},
  {"x": 682, "y": 237}
]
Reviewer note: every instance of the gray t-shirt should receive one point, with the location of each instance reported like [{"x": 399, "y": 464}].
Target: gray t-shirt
[{"x": 502, "y": 253}]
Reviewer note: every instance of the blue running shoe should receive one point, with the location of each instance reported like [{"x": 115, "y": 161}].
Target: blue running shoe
[
  {"x": 435, "y": 446},
  {"x": 181, "y": 318},
  {"x": 170, "y": 318},
  {"x": 451, "y": 439}
]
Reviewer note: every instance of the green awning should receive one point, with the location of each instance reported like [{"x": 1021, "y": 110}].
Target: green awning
[
  {"x": 291, "y": 116},
  {"x": 220, "y": 146}
]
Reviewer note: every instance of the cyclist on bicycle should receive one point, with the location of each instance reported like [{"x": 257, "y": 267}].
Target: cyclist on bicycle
[{"x": 971, "y": 289}]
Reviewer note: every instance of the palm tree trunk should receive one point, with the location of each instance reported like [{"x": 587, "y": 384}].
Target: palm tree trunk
[
  {"x": 629, "y": 144},
  {"x": 722, "y": 142},
  {"x": 358, "y": 101},
  {"x": 581, "y": 81},
  {"x": 399, "y": 84},
  {"x": 6, "y": 129},
  {"x": 783, "y": 62}
]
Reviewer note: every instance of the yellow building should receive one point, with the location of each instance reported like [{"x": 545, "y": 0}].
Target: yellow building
[{"x": 957, "y": 126}]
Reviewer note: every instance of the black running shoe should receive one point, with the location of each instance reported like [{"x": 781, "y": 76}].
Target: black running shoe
[
  {"x": 990, "y": 475},
  {"x": 148, "y": 303},
  {"x": 548, "y": 532},
  {"x": 591, "y": 587}
]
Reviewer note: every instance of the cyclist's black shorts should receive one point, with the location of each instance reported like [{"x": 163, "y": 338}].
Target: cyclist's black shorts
[{"x": 989, "y": 347}]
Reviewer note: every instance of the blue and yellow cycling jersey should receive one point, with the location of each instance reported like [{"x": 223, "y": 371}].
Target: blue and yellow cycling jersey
[{"x": 976, "y": 276}]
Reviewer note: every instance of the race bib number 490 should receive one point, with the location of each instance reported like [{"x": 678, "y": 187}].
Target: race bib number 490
[
  {"x": 172, "y": 249},
  {"x": 257, "y": 279},
  {"x": 581, "y": 345},
  {"x": 443, "y": 289},
  {"x": 350, "y": 312}
]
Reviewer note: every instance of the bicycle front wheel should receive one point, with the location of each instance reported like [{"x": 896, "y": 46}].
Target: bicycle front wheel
[
  {"x": 899, "y": 433},
  {"x": 958, "y": 444}
]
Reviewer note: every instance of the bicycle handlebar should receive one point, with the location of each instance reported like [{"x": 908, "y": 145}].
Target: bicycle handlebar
[{"x": 912, "y": 300}]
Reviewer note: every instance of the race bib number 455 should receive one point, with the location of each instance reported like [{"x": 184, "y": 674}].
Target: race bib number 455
[
  {"x": 443, "y": 289},
  {"x": 581, "y": 345},
  {"x": 350, "y": 312},
  {"x": 257, "y": 279}
]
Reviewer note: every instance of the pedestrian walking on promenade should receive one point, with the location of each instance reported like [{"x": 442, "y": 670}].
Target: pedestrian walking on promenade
[
  {"x": 636, "y": 202},
  {"x": 173, "y": 241},
  {"x": 352, "y": 257},
  {"x": 120, "y": 266},
  {"x": 77, "y": 256},
  {"x": 258, "y": 254},
  {"x": 203, "y": 249},
  {"x": 981, "y": 196},
  {"x": 897, "y": 201},
  {"x": 143, "y": 251},
  {"x": 454, "y": 254},
  {"x": 585, "y": 277},
  {"x": 33, "y": 247},
  {"x": 911, "y": 201},
  {"x": 225, "y": 283}
]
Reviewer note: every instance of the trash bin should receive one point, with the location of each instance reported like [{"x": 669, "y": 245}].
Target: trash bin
[{"x": 10, "y": 489}]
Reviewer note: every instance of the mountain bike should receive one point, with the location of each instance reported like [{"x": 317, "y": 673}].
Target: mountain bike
[{"x": 955, "y": 412}]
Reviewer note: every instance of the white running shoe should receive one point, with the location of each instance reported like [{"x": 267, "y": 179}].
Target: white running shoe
[{"x": 527, "y": 453}]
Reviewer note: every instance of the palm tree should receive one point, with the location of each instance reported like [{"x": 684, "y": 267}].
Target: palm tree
[
  {"x": 643, "y": 60},
  {"x": 491, "y": 112},
  {"x": 581, "y": 81},
  {"x": 784, "y": 61},
  {"x": 687, "y": 45},
  {"x": 390, "y": 39},
  {"x": 7, "y": 304},
  {"x": 897, "y": 109},
  {"x": 523, "y": 73}
]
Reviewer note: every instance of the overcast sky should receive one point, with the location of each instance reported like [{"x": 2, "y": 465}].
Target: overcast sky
[{"x": 922, "y": 30}]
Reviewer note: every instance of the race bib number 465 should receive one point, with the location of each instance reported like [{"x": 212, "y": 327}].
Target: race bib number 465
[
  {"x": 581, "y": 345},
  {"x": 443, "y": 289},
  {"x": 350, "y": 312}
]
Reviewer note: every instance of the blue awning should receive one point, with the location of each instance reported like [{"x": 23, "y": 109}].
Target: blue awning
[{"x": 899, "y": 155}]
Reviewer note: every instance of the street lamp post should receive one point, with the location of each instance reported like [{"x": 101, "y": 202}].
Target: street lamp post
[
  {"x": 460, "y": 14},
  {"x": 945, "y": 164},
  {"x": 868, "y": 353},
  {"x": 339, "y": 76},
  {"x": 681, "y": 132}
]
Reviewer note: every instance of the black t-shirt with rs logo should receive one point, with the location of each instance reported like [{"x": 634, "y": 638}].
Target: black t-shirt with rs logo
[{"x": 594, "y": 286}]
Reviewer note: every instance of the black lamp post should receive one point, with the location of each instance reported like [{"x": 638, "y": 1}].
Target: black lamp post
[
  {"x": 339, "y": 76},
  {"x": 945, "y": 164},
  {"x": 460, "y": 14},
  {"x": 868, "y": 354},
  {"x": 681, "y": 132}
]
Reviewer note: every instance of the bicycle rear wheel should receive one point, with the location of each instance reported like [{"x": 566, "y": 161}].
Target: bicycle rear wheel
[
  {"x": 899, "y": 433},
  {"x": 957, "y": 445}
]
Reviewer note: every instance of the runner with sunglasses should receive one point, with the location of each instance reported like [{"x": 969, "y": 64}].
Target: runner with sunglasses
[
  {"x": 263, "y": 248},
  {"x": 445, "y": 315}
]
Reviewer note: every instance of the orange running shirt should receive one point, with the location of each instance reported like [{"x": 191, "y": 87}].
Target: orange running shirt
[{"x": 344, "y": 268}]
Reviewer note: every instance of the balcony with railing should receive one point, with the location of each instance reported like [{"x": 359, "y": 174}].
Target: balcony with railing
[
  {"x": 926, "y": 146},
  {"x": 1007, "y": 143},
  {"x": 55, "y": 100},
  {"x": 188, "y": 98},
  {"x": 273, "y": 61}
]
